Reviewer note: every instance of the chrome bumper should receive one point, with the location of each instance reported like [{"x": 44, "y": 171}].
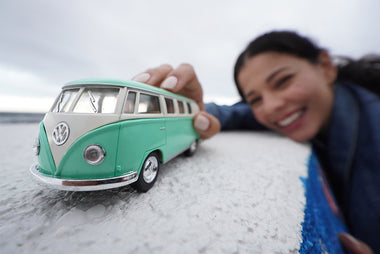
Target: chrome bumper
[{"x": 85, "y": 184}]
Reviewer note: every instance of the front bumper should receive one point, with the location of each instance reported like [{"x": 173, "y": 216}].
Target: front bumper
[{"x": 84, "y": 184}]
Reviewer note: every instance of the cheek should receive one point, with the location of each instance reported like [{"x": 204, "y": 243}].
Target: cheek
[
  {"x": 301, "y": 90},
  {"x": 299, "y": 96},
  {"x": 308, "y": 87},
  {"x": 314, "y": 93},
  {"x": 260, "y": 117}
]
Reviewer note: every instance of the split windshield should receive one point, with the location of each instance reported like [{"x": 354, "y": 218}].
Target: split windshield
[{"x": 91, "y": 100}]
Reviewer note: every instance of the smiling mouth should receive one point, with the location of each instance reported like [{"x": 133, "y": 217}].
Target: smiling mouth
[{"x": 291, "y": 119}]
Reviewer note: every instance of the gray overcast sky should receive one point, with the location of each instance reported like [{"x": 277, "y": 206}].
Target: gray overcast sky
[{"x": 44, "y": 44}]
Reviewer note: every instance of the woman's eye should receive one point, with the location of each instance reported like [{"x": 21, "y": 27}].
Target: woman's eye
[
  {"x": 283, "y": 81},
  {"x": 254, "y": 101}
]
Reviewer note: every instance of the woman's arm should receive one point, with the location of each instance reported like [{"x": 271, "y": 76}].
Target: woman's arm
[{"x": 237, "y": 116}]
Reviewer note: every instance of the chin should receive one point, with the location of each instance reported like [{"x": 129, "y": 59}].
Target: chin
[{"x": 301, "y": 137}]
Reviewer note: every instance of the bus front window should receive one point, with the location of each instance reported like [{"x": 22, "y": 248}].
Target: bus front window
[
  {"x": 65, "y": 100},
  {"x": 97, "y": 100}
]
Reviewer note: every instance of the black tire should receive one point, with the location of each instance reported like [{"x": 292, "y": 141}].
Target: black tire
[
  {"x": 148, "y": 173},
  {"x": 192, "y": 149}
]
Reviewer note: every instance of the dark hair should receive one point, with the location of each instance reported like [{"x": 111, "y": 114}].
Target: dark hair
[{"x": 364, "y": 72}]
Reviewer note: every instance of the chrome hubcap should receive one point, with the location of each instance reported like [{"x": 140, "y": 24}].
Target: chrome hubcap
[
  {"x": 150, "y": 169},
  {"x": 193, "y": 146}
]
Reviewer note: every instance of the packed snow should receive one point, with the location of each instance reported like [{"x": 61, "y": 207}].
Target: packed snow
[{"x": 240, "y": 193}]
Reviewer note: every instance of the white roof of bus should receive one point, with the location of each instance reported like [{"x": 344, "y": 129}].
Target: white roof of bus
[{"x": 121, "y": 83}]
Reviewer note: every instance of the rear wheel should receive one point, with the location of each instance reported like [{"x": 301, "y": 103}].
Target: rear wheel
[
  {"x": 148, "y": 173},
  {"x": 192, "y": 149}
]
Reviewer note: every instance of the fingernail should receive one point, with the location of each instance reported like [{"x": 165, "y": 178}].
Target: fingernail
[
  {"x": 201, "y": 123},
  {"x": 142, "y": 77},
  {"x": 169, "y": 83}
]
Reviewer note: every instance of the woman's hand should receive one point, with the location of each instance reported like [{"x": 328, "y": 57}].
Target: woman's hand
[
  {"x": 183, "y": 81},
  {"x": 353, "y": 245}
]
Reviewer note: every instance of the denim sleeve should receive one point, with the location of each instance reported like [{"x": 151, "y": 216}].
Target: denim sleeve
[{"x": 234, "y": 117}]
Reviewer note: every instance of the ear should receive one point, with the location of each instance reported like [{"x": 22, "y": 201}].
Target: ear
[{"x": 329, "y": 69}]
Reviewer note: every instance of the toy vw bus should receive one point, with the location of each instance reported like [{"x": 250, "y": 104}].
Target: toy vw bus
[{"x": 103, "y": 134}]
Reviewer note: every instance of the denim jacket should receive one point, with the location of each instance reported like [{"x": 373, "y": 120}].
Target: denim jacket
[{"x": 349, "y": 153}]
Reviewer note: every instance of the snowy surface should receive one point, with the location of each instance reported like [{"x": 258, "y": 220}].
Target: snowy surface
[{"x": 240, "y": 193}]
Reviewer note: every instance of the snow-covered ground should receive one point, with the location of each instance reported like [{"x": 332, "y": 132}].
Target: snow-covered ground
[{"x": 240, "y": 193}]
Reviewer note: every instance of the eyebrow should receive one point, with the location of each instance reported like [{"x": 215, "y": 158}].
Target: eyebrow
[
  {"x": 268, "y": 79},
  {"x": 274, "y": 74}
]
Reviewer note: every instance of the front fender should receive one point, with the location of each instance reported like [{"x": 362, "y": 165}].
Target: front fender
[{"x": 73, "y": 165}]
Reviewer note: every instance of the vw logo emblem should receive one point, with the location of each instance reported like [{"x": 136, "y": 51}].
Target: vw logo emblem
[{"x": 61, "y": 133}]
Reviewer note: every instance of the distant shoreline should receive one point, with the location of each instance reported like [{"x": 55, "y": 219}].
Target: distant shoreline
[{"x": 21, "y": 117}]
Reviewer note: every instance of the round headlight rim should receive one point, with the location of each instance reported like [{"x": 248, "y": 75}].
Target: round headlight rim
[
  {"x": 99, "y": 149},
  {"x": 37, "y": 146}
]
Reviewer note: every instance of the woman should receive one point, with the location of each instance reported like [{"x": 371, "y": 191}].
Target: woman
[{"x": 293, "y": 87}]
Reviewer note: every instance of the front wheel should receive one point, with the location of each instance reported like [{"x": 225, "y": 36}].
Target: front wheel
[{"x": 148, "y": 173}]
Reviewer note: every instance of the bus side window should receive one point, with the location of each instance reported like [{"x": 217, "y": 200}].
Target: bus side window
[
  {"x": 169, "y": 105},
  {"x": 189, "y": 108},
  {"x": 149, "y": 104},
  {"x": 129, "y": 106},
  {"x": 181, "y": 107}
]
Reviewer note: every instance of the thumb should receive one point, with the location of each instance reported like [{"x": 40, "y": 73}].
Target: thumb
[{"x": 207, "y": 125}]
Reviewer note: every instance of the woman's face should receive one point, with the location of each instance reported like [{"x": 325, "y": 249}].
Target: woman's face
[{"x": 289, "y": 94}]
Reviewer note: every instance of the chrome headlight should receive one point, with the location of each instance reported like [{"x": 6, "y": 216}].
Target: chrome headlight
[
  {"x": 36, "y": 146},
  {"x": 94, "y": 154}
]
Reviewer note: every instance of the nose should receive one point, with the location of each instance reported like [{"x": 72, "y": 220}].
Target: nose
[{"x": 272, "y": 104}]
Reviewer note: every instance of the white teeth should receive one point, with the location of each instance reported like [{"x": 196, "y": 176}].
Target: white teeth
[{"x": 289, "y": 120}]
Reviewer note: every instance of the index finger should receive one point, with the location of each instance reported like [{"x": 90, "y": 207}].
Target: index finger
[
  {"x": 154, "y": 76},
  {"x": 184, "y": 81}
]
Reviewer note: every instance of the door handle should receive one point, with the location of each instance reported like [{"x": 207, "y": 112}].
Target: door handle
[{"x": 162, "y": 128}]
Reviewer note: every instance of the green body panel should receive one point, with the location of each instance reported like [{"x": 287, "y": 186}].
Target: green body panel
[
  {"x": 73, "y": 165},
  {"x": 45, "y": 158},
  {"x": 126, "y": 145},
  {"x": 139, "y": 137},
  {"x": 180, "y": 134}
]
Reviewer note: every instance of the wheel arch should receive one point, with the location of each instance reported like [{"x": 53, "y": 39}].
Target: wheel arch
[{"x": 159, "y": 154}]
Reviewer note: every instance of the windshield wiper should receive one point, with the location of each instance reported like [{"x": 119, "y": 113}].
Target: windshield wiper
[{"x": 92, "y": 101}]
